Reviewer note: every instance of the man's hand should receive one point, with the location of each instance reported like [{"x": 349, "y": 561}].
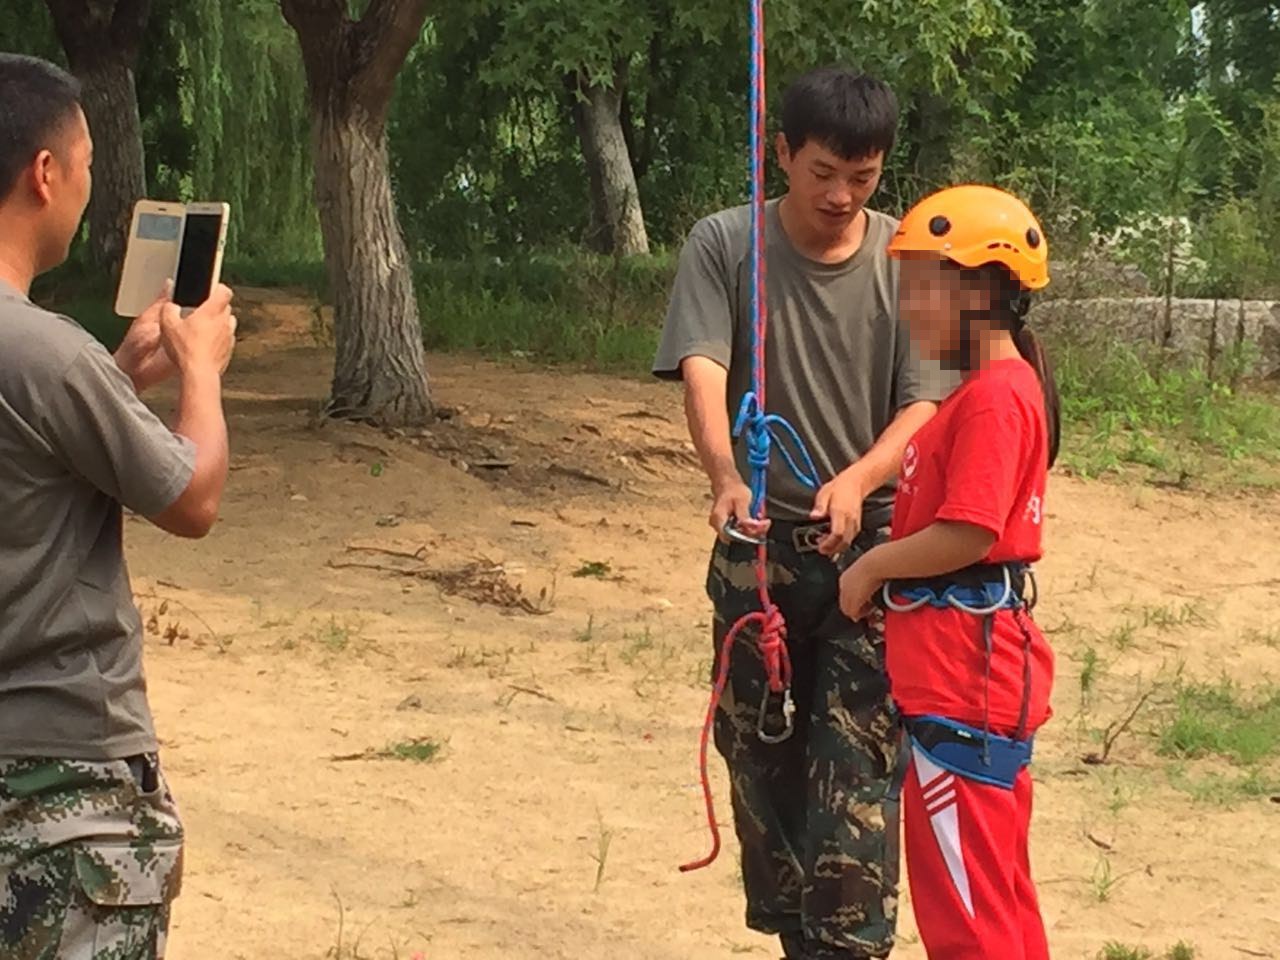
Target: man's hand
[
  {"x": 858, "y": 586},
  {"x": 840, "y": 502},
  {"x": 141, "y": 354},
  {"x": 203, "y": 341},
  {"x": 732, "y": 500}
]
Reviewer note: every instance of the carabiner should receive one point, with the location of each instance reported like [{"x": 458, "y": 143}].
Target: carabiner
[{"x": 788, "y": 717}]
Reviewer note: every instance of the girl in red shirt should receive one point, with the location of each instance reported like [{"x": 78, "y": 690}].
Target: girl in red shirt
[{"x": 970, "y": 671}]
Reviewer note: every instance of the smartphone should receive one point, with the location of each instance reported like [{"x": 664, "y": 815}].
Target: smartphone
[
  {"x": 154, "y": 235},
  {"x": 204, "y": 234}
]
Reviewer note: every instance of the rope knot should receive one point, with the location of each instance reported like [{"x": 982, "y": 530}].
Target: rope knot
[{"x": 773, "y": 649}]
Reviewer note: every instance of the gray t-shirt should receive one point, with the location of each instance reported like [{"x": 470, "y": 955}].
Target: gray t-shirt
[
  {"x": 838, "y": 363},
  {"x": 75, "y": 444}
]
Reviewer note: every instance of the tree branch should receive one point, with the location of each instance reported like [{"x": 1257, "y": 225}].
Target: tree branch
[
  {"x": 97, "y": 32},
  {"x": 312, "y": 16},
  {"x": 363, "y": 56},
  {"x": 385, "y": 35}
]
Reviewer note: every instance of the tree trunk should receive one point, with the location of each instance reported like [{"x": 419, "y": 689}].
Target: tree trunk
[
  {"x": 616, "y": 217},
  {"x": 379, "y": 372},
  {"x": 101, "y": 39}
]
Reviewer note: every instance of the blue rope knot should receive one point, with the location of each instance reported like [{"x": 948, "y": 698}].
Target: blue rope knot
[{"x": 762, "y": 430}]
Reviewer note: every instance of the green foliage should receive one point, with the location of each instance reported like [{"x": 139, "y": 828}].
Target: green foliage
[
  {"x": 242, "y": 97},
  {"x": 1139, "y": 408},
  {"x": 571, "y": 308},
  {"x": 1221, "y": 720}
]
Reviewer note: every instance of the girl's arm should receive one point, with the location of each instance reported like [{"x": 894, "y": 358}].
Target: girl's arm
[{"x": 941, "y": 547}]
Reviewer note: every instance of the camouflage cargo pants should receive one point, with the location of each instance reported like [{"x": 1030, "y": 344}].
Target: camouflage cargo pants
[
  {"x": 816, "y": 815},
  {"x": 90, "y": 859}
]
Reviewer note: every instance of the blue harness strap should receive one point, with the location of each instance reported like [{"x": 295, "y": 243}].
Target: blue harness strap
[{"x": 969, "y": 752}]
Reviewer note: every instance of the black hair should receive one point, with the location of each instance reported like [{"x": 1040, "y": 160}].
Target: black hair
[
  {"x": 37, "y": 99},
  {"x": 1010, "y": 304},
  {"x": 848, "y": 112}
]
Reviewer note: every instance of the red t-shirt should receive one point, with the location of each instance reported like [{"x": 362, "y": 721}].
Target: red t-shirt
[{"x": 983, "y": 459}]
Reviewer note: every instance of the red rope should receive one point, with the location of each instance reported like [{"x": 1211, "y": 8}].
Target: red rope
[{"x": 777, "y": 662}]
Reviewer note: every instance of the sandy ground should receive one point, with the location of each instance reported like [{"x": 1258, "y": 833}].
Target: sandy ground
[{"x": 568, "y": 734}]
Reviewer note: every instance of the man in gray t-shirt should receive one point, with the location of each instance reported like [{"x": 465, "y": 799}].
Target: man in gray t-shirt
[
  {"x": 816, "y": 814},
  {"x": 90, "y": 840}
]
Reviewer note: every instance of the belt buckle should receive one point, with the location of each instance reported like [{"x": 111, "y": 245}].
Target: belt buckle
[{"x": 806, "y": 539}]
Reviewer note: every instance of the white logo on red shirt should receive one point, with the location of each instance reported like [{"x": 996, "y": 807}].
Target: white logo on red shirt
[
  {"x": 1034, "y": 509},
  {"x": 910, "y": 461}
]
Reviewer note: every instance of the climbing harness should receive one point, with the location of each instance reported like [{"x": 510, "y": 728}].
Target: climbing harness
[
  {"x": 761, "y": 432},
  {"x": 982, "y": 590}
]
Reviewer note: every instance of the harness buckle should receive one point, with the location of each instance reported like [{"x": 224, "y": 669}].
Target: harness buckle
[
  {"x": 806, "y": 539},
  {"x": 788, "y": 718}
]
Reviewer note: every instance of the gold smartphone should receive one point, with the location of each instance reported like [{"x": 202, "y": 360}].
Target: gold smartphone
[{"x": 152, "y": 250}]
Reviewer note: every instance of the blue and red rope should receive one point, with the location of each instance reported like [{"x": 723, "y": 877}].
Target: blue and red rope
[{"x": 758, "y": 428}]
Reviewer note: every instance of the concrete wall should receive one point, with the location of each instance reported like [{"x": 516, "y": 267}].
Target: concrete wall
[{"x": 1201, "y": 328}]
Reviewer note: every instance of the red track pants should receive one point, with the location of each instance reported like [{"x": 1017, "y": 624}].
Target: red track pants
[{"x": 967, "y": 860}]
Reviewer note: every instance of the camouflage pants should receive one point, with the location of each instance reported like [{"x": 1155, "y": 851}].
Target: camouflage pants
[
  {"x": 90, "y": 859},
  {"x": 816, "y": 815}
]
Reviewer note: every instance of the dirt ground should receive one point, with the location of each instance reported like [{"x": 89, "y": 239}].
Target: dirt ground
[{"x": 363, "y": 591}]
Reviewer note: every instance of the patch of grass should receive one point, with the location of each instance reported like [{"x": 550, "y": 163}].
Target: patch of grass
[
  {"x": 495, "y": 661},
  {"x": 573, "y": 308},
  {"x": 335, "y": 637},
  {"x": 1169, "y": 616},
  {"x": 1222, "y": 720},
  {"x": 307, "y": 276},
  {"x": 417, "y": 749},
  {"x": 1090, "y": 667},
  {"x": 1104, "y": 881},
  {"x": 596, "y": 569},
  {"x": 587, "y": 633},
  {"x": 1114, "y": 950},
  {"x": 1121, "y": 637},
  {"x": 1119, "y": 793},
  {"x": 1181, "y": 951},
  {"x": 636, "y": 645},
  {"x": 1129, "y": 409},
  {"x": 1224, "y": 791},
  {"x": 1268, "y": 636}
]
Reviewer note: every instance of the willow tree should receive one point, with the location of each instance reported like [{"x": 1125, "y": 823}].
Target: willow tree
[
  {"x": 102, "y": 39},
  {"x": 241, "y": 85},
  {"x": 351, "y": 68}
]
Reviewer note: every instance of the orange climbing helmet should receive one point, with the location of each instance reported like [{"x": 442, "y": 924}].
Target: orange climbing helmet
[{"x": 974, "y": 225}]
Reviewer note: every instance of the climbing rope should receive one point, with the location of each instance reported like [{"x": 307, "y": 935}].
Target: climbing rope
[{"x": 761, "y": 431}]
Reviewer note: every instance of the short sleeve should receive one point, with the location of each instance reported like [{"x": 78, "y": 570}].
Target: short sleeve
[
  {"x": 700, "y": 313},
  {"x": 990, "y": 445},
  {"x": 95, "y": 424}
]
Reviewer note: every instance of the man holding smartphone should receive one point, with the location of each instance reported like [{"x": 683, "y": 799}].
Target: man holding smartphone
[{"x": 90, "y": 839}]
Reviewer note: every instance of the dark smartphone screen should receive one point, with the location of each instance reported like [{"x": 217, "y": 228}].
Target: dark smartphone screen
[{"x": 194, "y": 281}]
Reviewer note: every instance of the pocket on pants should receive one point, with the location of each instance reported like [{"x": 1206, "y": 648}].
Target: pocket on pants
[
  {"x": 125, "y": 874},
  {"x": 120, "y": 905}
]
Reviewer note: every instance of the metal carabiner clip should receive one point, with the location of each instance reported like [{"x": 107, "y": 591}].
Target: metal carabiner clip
[
  {"x": 734, "y": 532},
  {"x": 788, "y": 717}
]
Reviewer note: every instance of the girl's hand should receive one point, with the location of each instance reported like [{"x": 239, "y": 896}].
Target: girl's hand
[{"x": 858, "y": 586}]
